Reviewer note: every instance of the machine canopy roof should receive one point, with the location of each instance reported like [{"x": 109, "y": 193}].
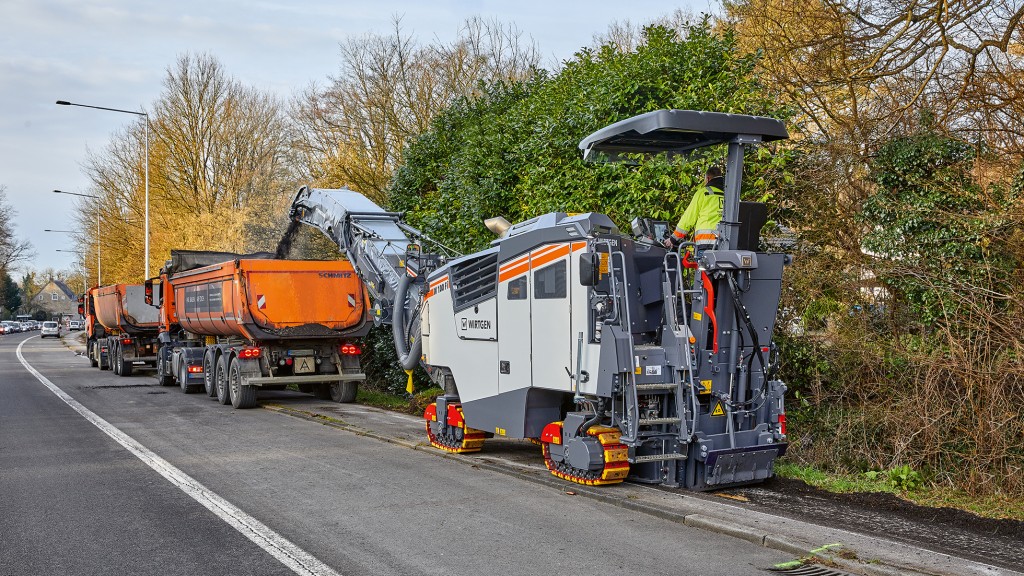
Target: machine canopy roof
[{"x": 678, "y": 132}]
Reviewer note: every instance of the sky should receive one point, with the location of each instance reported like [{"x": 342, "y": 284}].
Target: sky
[{"x": 115, "y": 53}]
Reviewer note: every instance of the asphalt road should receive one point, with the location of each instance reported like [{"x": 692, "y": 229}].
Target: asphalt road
[{"x": 74, "y": 501}]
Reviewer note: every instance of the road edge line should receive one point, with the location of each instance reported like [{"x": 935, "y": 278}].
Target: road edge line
[{"x": 283, "y": 550}]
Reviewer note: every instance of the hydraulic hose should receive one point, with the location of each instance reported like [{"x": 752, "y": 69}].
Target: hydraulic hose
[{"x": 408, "y": 353}]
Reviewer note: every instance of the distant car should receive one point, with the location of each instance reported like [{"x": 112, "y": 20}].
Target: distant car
[
  {"x": 26, "y": 326},
  {"x": 11, "y": 327},
  {"x": 3, "y": 329},
  {"x": 50, "y": 329},
  {"x": 75, "y": 325}
]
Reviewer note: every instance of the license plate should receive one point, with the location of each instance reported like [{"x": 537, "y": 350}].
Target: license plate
[{"x": 305, "y": 364}]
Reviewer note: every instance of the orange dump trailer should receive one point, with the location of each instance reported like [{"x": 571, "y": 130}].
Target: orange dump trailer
[
  {"x": 264, "y": 322},
  {"x": 124, "y": 328}
]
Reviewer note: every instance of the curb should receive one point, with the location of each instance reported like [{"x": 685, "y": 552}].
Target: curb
[{"x": 769, "y": 540}]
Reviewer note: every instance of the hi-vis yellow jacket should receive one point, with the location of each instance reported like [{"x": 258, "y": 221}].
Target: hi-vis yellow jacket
[{"x": 702, "y": 215}]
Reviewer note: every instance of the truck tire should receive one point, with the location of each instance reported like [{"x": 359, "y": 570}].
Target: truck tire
[
  {"x": 209, "y": 372},
  {"x": 221, "y": 378},
  {"x": 104, "y": 365},
  {"x": 242, "y": 396},
  {"x": 91, "y": 350},
  {"x": 163, "y": 372},
  {"x": 125, "y": 368},
  {"x": 114, "y": 354},
  {"x": 183, "y": 378},
  {"x": 344, "y": 392}
]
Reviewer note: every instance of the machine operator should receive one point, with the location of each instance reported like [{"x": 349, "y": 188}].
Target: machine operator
[{"x": 702, "y": 214}]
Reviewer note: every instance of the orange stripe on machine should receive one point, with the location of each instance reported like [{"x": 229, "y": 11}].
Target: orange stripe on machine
[
  {"x": 537, "y": 258},
  {"x": 439, "y": 285}
]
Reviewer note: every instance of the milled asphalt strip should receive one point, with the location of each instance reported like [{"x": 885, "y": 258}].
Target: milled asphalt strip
[{"x": 295, "y": 558}]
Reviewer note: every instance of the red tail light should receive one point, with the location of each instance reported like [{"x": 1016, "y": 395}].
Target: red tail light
[
  {"x": 248, "y": 353},
  {"x": 351, "y": 349},
  {"x": 195, "y": 369},
  {"x": 126, "y": 340},
  {"x": 782, "y": 423}
]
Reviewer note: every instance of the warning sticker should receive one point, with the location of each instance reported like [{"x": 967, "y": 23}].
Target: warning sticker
[
  {"x": 705, "y": 387},
  {"x": 697, "y": 316},
  {"x": 653, "y": 370},
  {"x": 718, "y": 410},
  {"x": 261, "y": 301}
]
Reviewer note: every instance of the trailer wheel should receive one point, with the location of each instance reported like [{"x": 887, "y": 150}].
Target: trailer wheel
[
  {"x": 114, "y": 354},
  {"x": 183, "y": 379},
  {"x": 242, "y": 396},
  {"x": 91, "y": 349},
  {"x": 124, "y": 368},
  {"x": 221, "y": 378},
  {"x": 209, "y": 369},
  {"x": 104, "y": 363},
  {"x": 344, "y": 392}
]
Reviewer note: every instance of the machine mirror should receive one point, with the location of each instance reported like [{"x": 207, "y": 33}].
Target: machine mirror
[
  {"x": 590, "y": 268},
  {"x": 81, "y": 310}
]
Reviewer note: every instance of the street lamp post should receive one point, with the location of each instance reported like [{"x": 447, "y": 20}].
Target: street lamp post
[
  {"x": 99, "y": 275},
  {"x": 80, "y": 254},
  {"x": 146, "y": 116}
]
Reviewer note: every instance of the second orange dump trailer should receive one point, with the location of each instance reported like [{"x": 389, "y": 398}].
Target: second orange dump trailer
[
  {"x": 122, "y": 328},
  {"x": 231, "y": 323}
]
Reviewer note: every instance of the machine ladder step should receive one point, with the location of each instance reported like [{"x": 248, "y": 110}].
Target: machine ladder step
[
  {"x": 659, "y": 421},
  {"x": 657, "y": 458},
  {"x": 664, "y": 386}
]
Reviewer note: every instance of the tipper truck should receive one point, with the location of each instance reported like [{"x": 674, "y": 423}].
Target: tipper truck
[
  {"x": 122, "y": 328},
  {"x": 620, "y": 357},
  {"x": 248, "y": 322}
]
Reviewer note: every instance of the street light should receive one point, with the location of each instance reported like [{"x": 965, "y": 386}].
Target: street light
[
  {"x": 80, "y": 254},
  {"x": 99, "y": 276},
  {"x": 146, "y": 116}
]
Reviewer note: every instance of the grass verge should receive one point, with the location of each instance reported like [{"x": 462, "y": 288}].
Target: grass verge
[
  {"x": 398, "y": 402},
  {"x": 998, "y": 506}
]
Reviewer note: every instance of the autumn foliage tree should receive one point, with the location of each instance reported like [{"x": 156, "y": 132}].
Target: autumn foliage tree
[{"x": 217, "y": 173}]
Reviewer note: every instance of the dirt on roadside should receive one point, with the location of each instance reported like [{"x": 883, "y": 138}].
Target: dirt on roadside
[{"x": 991, "y": 541}]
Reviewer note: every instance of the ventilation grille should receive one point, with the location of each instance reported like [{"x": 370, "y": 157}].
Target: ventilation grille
[{"x": 474, "y": 280}]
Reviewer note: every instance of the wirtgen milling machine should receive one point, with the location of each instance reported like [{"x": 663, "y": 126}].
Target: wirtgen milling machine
[{"x": 618, "y": 357}]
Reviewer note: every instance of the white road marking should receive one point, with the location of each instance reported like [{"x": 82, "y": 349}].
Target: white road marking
[{"x": 295, "y": 558}]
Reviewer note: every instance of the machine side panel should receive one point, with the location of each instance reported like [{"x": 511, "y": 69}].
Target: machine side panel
[
  {"x": 473, "y": 363},
  {"x": 514, "y": 337}
]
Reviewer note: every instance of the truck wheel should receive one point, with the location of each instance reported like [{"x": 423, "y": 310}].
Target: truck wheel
[
  {"x": 242, "y": 396},
  {"x": 163, "y": 373},
  {"x": 91, "y": 350},
  {"x": 344, "y": 392},
  {"x": 221, "y": 377},
  {"x": 209, "y": 369},
  {"x": 126, "y": 367},
  {"x": 104, "y": 362},
  {"x": 114, "y": 353},
  {"x": 183, "y": 379}
]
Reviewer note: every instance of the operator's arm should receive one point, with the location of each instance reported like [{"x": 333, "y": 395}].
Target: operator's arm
[{"x": 689, "y": 219}]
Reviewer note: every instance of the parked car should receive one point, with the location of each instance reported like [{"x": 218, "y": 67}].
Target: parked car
[
  {"x": 3, "y": 329},
  {"x": 50, "y": 328},
  {"x": 12, "y": 327},
  {"x": 75, "y": 325}
]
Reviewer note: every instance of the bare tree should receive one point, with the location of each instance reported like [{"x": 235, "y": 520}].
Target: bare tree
[
  {"x": 217, "y": 172},
  {"x": 388, "y": 89},
  {"x": 12, "y": 250}
]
